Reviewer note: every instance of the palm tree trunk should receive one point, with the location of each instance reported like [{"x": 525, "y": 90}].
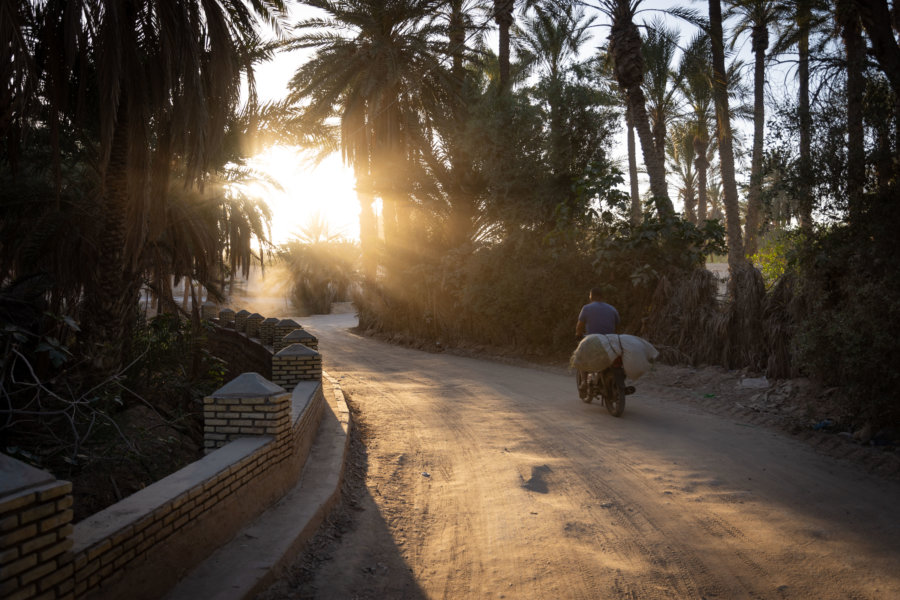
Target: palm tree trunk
[
  {"x": 462, "y": 202},
  {"x": 368, "y": 229},
  {"x": 754, "y": 201},
  {"x": 656, "y": 170},
  {"x": 115, "y": 290},
  {"x": 851, "y": 32},
  {"x": 690, "y": 205},
  {"x": 701, "y": 145},
  {"x": 636, "y": 211},
  {"x": 876, "y": 18},
  {"x": 503, "y": 16},
  {"x": 726, "y": 150},
  {"x": 628, "y": 67},
  {"x": 188, "y": 287},
  {"x": 805, "y": 191}
]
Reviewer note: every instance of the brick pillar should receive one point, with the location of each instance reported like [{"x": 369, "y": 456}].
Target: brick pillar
[
  {"x": 35, "y": 533},
  {"x": 246, "y": 406},
  {"x": 267, "y": 331},
  {"x": 240, "y": 320},
  {"x": 296, "y": 363},
  {"x": 282, "y": 328},
  {"x": 226, "y": 317},
  {"x": 252, "y": 326},
  {"x": 208, "y": 310},
  {"x": 301, "y": 336}
]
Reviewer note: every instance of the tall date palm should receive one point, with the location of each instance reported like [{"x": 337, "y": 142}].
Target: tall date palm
[
  {"x": 696, "y": 88},
  {"x": 754, "y": 18},
  {"x": 628, "y": 68},
  {"x": 377, "y": 71},
  {"x": 167, "y": 78},
  {"x": 736, "y": 260}
]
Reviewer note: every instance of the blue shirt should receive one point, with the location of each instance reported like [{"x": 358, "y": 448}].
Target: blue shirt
[{"x": 599, "y": 317}]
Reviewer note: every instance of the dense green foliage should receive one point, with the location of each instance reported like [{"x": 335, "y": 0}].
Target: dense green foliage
[{"x": 848, "y": 334}]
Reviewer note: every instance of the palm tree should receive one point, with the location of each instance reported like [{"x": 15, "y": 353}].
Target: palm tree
[
  {"x": 803, "y": 24},
  {"x": 637, "y": 212},
  {"x": 736, "y": 259},
  {"x": 605, "y": 73},
  {"x": 879, "y": 22},
  {"x": 847, "y": 17},
  {"x": 549, "y": 42},
  {"x": 459, "y": 176},
  {"x": 166, "y": 79},
  {"x": 660, "y": 79},
  {"x": 377, "y": 70},
  {"x": 681, "y": 155},
  {"x": 628, "y": 67},
  {"x": 503, "y": 16},
  {"x": 696, "y": 87},
  {"x": 755, "y": 17},
  {"x": 805, "y": 19}
]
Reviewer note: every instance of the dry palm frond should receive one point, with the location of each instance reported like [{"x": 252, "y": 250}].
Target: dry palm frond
[
  {"x": 746, "y": 335},
  {"x": 782, "y": 311},
  {"x": 684, "y": 323}
]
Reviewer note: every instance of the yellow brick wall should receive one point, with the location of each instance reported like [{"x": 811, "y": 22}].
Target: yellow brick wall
[{"x": 35, "y": 543}]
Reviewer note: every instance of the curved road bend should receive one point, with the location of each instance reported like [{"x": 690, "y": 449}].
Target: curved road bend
[{"x": 496, "y": 481}]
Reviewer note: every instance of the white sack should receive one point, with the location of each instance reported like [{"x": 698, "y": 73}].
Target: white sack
[
  {"x": 638, "y": 356},
  {"x": 596, "y": 352}
]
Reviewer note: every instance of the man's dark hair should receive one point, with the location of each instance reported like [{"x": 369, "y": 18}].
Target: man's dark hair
[{"x": 597, "y": 293}]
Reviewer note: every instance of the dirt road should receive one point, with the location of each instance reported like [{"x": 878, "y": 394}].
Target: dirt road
[{"x": 491, "y": 481}]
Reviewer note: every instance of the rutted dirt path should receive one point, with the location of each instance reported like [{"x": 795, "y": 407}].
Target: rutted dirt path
[{"x": 483, "y": 480}]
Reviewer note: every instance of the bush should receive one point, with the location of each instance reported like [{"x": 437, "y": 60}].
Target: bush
[{"x": 849, "y": 334}]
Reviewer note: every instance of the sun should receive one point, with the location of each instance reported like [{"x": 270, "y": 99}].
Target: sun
[{"x": 308, "y": 190}]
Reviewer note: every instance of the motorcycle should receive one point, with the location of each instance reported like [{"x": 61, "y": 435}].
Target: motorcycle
[{"x": 609, "y": 384}]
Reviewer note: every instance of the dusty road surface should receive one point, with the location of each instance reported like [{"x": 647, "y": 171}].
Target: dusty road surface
[{"x": 492, "y": 481}]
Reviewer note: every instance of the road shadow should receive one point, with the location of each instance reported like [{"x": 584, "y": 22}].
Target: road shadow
[
  {"x": 537, "y": 483},
  {"x": 354, "y": 553}
]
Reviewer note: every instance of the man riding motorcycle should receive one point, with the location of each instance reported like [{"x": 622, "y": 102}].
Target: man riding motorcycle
[{"x": 595, "y": 317}]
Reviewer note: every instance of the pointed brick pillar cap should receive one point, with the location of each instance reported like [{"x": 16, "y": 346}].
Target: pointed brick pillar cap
[
  {"x": 255, "y": 315},
  {"x": 285, "y": 322},
  {"x": 270, "y": 320},
  {"x": 248, "y": 385},
  {"x": 298, "y": 335},
  {"x": 297, "y": 350},
  {"x": 227, "y": 311},
  {"x": 244, "y": 312}
]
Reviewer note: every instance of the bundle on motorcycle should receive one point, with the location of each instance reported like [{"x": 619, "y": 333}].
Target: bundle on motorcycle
[{"x": 603, "y": 363}]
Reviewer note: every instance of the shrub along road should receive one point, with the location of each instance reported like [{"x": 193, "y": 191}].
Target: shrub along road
[{"x": 480, "y": 479}]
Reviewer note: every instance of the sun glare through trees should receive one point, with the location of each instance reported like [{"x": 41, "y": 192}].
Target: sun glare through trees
[
  {"x": 306, "y": 192},
  {"x": 462, "y": 171}
]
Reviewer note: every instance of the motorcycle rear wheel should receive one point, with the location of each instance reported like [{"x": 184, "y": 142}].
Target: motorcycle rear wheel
[{"x": 614, "y": 400}]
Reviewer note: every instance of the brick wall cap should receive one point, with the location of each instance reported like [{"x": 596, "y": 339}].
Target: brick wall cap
[
  {"x": 244, "y": 312},
  {"x": 16, "y": 476},
  {"x": 286, "y": 322},
  {"x": 248, "y": 385},
  {"x": 255, "y": 316},
  {"x": 297, "y": 350},
  {"x": 271, "y": 320},
  {"x": 226, "y": 311},
  {"x": 298, "y": 335}
]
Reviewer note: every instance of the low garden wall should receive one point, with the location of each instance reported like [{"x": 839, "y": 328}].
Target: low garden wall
[{"x": 257, "y": 438}]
